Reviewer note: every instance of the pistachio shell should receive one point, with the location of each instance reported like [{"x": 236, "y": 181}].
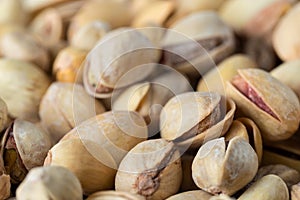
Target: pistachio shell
[
  {"x": 152, "y": 168},
  {"x": 33, "y": 5},
  {"x": 114, "y": 195},
  {"x": 19, "y": 88},
  {"x": 52, "y": 182},
  {"x": 4, "y": 185},
  {"x": 191, "y": 195},
  {"x": 218, "y": 169},
  {"x": 295, "y": 192},
  {"x": 237, "y": 129},
  {"x": 3, "y": 115},
  {"x": 270, "y": 187},
  {"x": 12, "y": 12},
  {"x": 282, "y": 117}
]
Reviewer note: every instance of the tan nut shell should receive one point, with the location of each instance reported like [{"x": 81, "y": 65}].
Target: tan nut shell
[
  {"x": 51, "y": 182},
  {"x": 191, "y": 195},
  {"x": 152, "y": 168},
  {"x": 270, "y": 187},
  {"x": 22, "y": 86},
  {"x": 218, "y": 169},
  {"x": 114, "y": 195},
  {"x": 12, "y": 12},
  {"x": 65, "y": 106},
  {"x": 279, "y": 97},
  {"x": 3, "y": 114},
  {"x": 33, "y": 5}
]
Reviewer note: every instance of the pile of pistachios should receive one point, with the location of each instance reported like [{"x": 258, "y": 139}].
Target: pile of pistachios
[{"x": 149, "y": 99}]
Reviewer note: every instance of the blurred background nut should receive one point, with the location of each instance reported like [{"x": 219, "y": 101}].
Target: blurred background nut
[
  {"x": 33, "y": 6},
  {"x": 52, "y": 182},
  {"x": 3, "y": 114},
  {"x": 152, "y": 169},
  {"x": 115, "y": 195},
  {"x": 224, "y": 168},
  {"x": 12, "y": 12},
  {"x": 68, "y": 65},
  {"x": 191, "y": 195},
  {"x": 22, "y": 86},
  {"x": 65, "y": 106},
  {"x": 295, "y": 193}
]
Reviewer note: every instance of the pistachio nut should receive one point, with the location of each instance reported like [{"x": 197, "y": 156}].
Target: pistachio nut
[
  {"x": 34, "y": 6},
  {"x": 285, "y": 36},
  {"x": 152, "y": 169},
  {"x": 287, "y": 74},
  {"x": 69, "y": 9},
  {"x": 295, "y": 192},
  {"x": 118, "y": 52},
  {"x": 195, "y": 41},
  {"x": 3, "y": 115},
  {"x": 215, "y": 79},
  {"x": 191, "y": 195},
  {"x": 52, "y": 182},
  {"x": 25, "y": 146},
  {"x": 273, "y": 106},
  {"x": 65, "y": 106},
  {"x": 187, "y": 183},
  {"x": 191, "y": 118},
  {"x": 22, "y": 86},
  {"x": 224, "y": 168},
  {"x": 67, "y": 66},
  {"x": 114, "y": 195},
  {"x": 12, "y": 12},
  {"x": 269, "y": 187}
]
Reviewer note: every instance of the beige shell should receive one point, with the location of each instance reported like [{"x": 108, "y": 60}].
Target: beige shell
[
  {"x": 194, "y": 43},
  {"x": 67, "y": 66},
  {"x": 285, "y": 36},
  {"x": 65, "y": 106},
  {"x": 3, "y": 115},
  {"x": 12, "y": 12},
  {"x": 191, "y": 195},
  {"x": 115, "y": 55},
  {"x": 276, "y": 97},
  {"x": 22, "y": 86},
  {"x": 270, "y": 187},
  {"x": 215, "y": 79},
  {"x": 115, "y": 195},
  {"x": 287, "y": 74},
  {"x": 52, "y": 182},
  {"x": 152, "y": 169},
  {"x": 295, "y": 192},
  {"x": 33, "y": 5},
  {"x": 220, "y": 168}
]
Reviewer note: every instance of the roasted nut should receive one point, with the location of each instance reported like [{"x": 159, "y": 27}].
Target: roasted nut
[
  {"x": 273, "y": 106},
  {"x": 191, "y": 195},
  {"x": 115, "y": 195},
  {"x": 51, "y": 182},
  {"x": 65, "y": 106},
  {"x": 270, "y": 187},
  {"x": 218, "y": 168},
  {"x": 3, "y": 115},
  {"x": 152, "y": 169},
  {"x": 22, "y": 86}
]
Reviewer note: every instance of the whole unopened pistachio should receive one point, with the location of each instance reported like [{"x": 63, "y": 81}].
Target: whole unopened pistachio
[
  {"x": 52, "y": 182},
  {"x": 22, "y": 86},
  {"x": 224, "y": 168},
  {"x": 269, "y": 187},
  {"x": 123, "y": 53},
  {"x": 152, "y": 169},
  {"x": 115, "y": 195},
  {"x": 295, "y": 192},
  {"x": 191, "y": 195},
  {"x": 287, "y": 74},
  {"x": 65, "y": 106},
  {"x": 67, "y": 66},
  {"x": 273, "y": 106},
  {"x": 3, "y": 114}
]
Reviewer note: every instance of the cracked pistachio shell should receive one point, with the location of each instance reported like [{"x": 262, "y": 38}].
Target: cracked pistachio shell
[
  {"x": 52, "y": 182},
  {"x": 22, "y": 86},
  {"x": 67, "y": 66},
  {"x": 270, "y": 93},
  {"x": 285, "y": 36},
  {"x": 3, "y": 115},
  {"x": 221, "y": 197},
  {"x": 203, "y": 33},
  {"x": 12, "y": 12},
  {"x": 152, "y": 169},
  {"x": 215, "y": 79},
  {"x": 270, "y": 187},
  {"x": 65, "y": 106},
  {"x": 121, "y": 50},
  {"x": 220, "y": 168},
  {"x": 287, "y": 74},
  {"x": 115, "y": 195},
  {"x": 191, "y": 195}
]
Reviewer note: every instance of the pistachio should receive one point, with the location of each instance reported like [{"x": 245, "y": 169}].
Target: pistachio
[
  {"x": 285, "y": 37},
  {"x": 22, "y": 86},
  {"x": 215, "y": 79},
  {"x": 12, "y": 12},
  {"x": 152, "y": 169},
  {"x": 67, "y": 66},
  {"x": 3, "y": 115},
  {"x": 33, "y": 5},
  {"x": 295, "y": 193},
  {"x": 194, "y": 42},
  {"x": 191, "y": 195},
  {"x": 273, "y": 106},
  {"x": 64, "y": 106},
  {"x": 52, "y": 182},
  {"x": 115, "y": 195},
  {"x": 270, "y": 187},
  {"x": 220, "y": 168},
  {"x": 286, "y": 73},
  {"x": 121, "y": 51},
  {"x": 187, "y": 183}
]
